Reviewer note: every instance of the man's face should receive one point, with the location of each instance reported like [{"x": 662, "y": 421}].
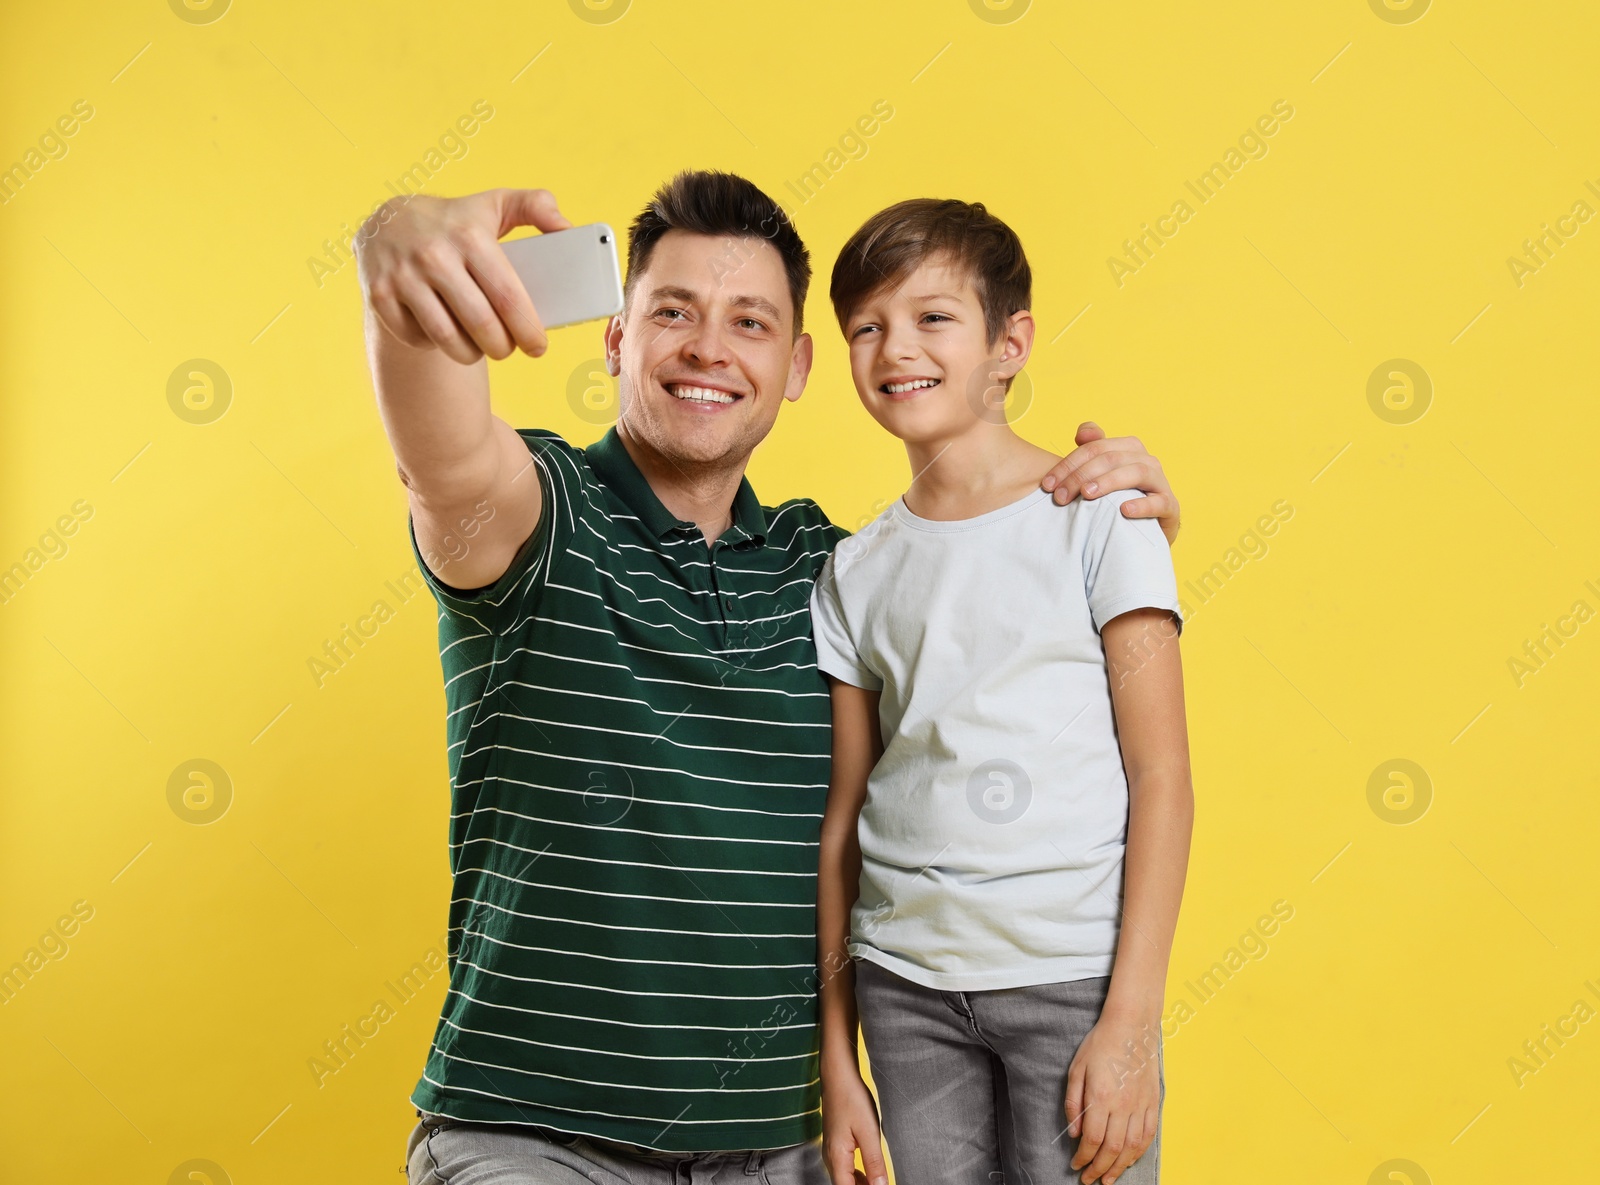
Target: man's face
[
  {"x": 920, "y": 357},
  {"x": 706, "y": 351}
]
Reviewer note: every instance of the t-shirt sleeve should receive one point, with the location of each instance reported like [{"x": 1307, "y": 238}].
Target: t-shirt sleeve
[
  {"x": 1127, "y": 563},
  {"x": 836, "y": 651},
  {"x": 509, "y": 599}
]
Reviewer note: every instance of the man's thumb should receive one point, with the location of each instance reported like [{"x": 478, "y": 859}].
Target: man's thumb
[
  {"x": 1088, "y": 431},
  {"x": 530, "y": 207}
]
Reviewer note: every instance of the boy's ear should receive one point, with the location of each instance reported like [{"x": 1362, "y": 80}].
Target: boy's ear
[
  {"x": 1015, "y": 344},
  {"x": 799, "y": 368}
]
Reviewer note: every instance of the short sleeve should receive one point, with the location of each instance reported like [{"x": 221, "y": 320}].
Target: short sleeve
[
  {"x": 1127, "y": 563},
  {"x": 499, "y": 605},
  {"x": 836, "y": 652}
]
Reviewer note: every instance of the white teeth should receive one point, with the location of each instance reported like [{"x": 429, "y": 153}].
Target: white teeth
[
  {"x": 701, "y": 394},
  {"x": 915, "y": 385}
]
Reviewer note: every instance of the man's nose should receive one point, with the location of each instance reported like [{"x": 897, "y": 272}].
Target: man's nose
[{"x": 707, "y": 345}]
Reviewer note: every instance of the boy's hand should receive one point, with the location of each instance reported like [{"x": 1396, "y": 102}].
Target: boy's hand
[
  {"x": 1099, "y": 465},
  {"x": 850, "y": 1121},
  {"x": 1114, "y": 1096}
]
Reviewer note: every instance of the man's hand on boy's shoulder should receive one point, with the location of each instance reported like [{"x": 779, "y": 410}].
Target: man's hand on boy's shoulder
[{"x": 1101, "y": 464}]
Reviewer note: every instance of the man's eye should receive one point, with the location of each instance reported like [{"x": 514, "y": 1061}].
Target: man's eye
[
  {"x": 669, "y": 312},
  {"x": 750, "y": 323}
]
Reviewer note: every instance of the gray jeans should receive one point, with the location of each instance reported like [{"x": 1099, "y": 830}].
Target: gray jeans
[
  {"x": 444, "y": 1151},
  {"x": 973, "y": 1085}
]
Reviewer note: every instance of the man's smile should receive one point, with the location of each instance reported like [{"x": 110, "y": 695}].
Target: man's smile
[{"x": 703, "y": 395}]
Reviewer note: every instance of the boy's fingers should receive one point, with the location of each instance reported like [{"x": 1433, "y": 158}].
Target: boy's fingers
[
  {"x": 871, "y": 1146},
  {"x": 841, "y": 1165},
  {"x": 1074, "y": 1098},
  {"x": 1139, "y": 1137},
  {"x": 1094, "y": 1132},
  {"x": 1110, "y": 1150}
]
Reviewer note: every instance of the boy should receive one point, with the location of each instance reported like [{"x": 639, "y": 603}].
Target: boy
[{"x": 1009, "y": 813}]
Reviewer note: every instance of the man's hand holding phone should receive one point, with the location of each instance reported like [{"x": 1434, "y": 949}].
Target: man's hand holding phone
[
  {"x": 434, "y": 275},
  {"x": 440, "y": 296}
]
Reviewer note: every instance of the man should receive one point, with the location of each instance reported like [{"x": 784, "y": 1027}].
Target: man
[{"x": 638, "y": 736}]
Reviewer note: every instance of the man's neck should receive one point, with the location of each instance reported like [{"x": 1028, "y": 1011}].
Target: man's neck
[{"x": 701, "y": 494}]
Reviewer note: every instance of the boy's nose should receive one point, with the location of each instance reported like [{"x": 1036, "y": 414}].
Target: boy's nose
[{"x": 900, "y": 343}]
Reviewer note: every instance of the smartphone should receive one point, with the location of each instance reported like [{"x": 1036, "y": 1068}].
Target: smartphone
[{"x": 571, "y": 275}]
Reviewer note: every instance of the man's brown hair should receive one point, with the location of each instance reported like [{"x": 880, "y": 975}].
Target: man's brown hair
[
  {"x": 894, "y": 242},
  {"x": 707, "y": 202}
]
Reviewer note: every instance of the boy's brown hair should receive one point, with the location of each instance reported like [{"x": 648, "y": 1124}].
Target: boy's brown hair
[{"x": 895, "y": 241}]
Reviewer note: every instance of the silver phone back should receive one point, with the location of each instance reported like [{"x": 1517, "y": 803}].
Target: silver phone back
[{"x": 571, "y": 275}]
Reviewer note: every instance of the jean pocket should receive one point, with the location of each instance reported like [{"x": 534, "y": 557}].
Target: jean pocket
[
  {"x": 565, "y": 1139},
  {"x": 798, "y": 1164}
]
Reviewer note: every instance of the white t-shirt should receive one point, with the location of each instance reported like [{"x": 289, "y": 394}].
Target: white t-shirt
[{"x": 994, "y": 826}]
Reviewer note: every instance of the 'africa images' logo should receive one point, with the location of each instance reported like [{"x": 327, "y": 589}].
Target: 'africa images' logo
[
  {"x": 999, "y": 12},
  {"x": 599, "y": 12},
  {"x": 1399, "y": 12},
  {"x": 199, "y": 12},
  {"x": 1399, "y": 391}
]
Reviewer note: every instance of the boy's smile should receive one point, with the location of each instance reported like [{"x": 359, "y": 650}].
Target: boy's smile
[
  {"x": 918, "y": 348},
  {"x": 907, "y": 388}
]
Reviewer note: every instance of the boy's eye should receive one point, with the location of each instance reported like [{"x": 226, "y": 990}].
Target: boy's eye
[
  {"x": 860, "y": 329},
  {"x": 935, "y": 317}
]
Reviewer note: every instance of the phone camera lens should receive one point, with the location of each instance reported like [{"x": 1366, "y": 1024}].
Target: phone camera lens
[{"x": 605, "y": 238}]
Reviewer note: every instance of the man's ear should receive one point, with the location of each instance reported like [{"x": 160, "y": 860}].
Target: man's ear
[
  {"x": 1016, "y": 343},
  {"x": 799, "y": 368},
  {"x": 613, "y": 342}
]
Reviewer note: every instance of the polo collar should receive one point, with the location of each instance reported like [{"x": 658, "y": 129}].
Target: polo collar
[{"x": 609, "y": 458}]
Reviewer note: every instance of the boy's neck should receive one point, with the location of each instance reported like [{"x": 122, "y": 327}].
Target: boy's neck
[{"x": 982, "y": 469}]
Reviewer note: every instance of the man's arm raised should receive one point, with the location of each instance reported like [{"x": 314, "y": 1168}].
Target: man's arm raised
[{"x": 440, "y": 295}]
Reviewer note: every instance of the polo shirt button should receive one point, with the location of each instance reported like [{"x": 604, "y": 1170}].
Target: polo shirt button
[{"x": 727, "y": 602}]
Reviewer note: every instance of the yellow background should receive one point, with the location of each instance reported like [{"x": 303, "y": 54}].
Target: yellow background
[{"x": 219, "y": 557}]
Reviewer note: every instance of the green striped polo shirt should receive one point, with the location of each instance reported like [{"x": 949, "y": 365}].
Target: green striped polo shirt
[{"x": 638, "y": 752}]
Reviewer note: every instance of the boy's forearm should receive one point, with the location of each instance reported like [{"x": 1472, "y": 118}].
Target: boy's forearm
[
  {"x": 856, "y": 749},
  {"x": 836, "y": 893},
  {"x": 1160, "y": 823},
  {"x": 839, "y": 1021}
]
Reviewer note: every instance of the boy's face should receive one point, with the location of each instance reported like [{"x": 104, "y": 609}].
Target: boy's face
[{"x": 920, "y": 356}]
